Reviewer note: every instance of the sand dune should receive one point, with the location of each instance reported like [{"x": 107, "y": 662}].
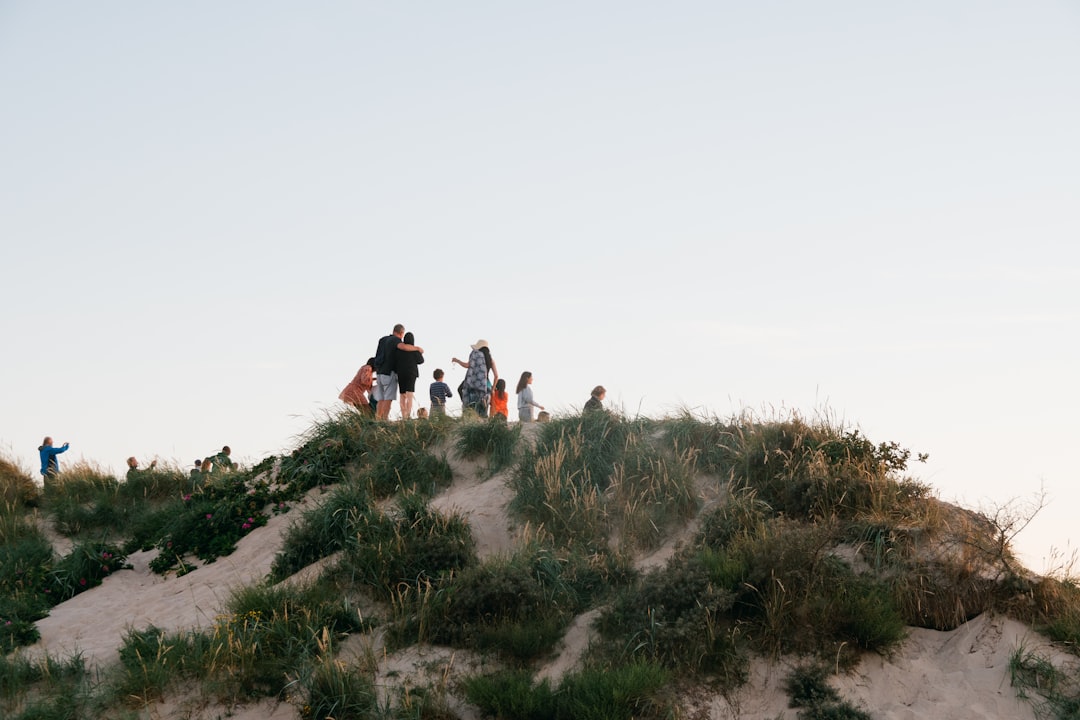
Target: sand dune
[{"x": 961, "y": 674}]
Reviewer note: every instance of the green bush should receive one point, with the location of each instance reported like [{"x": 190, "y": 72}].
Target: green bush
[
  {"x": 210, "y": 522},
  {"x": 83, "y": 568},
  {"x": 809, "y": 472}
]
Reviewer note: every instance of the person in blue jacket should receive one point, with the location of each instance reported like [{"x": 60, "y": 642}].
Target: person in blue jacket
[{"x": 50, "y": 466}]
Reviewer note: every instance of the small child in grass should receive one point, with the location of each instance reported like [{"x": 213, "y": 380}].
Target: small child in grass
[
  {"x": 439, "y": 391},
  {"x": 500, "y": 400}
]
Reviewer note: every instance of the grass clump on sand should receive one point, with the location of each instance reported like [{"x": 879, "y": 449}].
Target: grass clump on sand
[
  {"x": 1053, "y": 690},
  {"x": 46, "y": 688},
  {"x": 494, "y": 439},
  {"x": 809, "y": 690},
  {"x": 267, "y": 638},
  {"x": 323, "y": 529},
  {"x": 518, "y": 606},
  {"x": 597, "y": 474},
  {"x": 405, "y": 547},
  {"x": 606, "y": 693}
]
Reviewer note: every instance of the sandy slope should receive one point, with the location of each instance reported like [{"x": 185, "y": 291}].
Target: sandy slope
[{"x": 962, "y": 674}]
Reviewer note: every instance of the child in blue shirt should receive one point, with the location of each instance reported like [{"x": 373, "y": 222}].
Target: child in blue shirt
[{"x": 439, "y": 391}]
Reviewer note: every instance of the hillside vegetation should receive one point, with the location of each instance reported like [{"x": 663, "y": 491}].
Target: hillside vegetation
[{"x": 595, "y": 566}]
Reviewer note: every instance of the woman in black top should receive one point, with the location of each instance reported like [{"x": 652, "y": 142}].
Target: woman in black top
[{"x": 407, "y": 363}]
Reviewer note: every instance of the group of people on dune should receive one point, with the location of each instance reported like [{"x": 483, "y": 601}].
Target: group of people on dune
[
  {"x": 391, "y": 374},
  {"x": 50, "y": 464}
]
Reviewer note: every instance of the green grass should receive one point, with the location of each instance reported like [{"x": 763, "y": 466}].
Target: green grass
[
  {"x": 819, "y": 547},
  {"x": 323, "y": 529},
  {"x": 601, "y": 693},
  {"x": 598, "y": 474},
  {"x": 809, "y": 690},
  {"x": 495, "y": 440},
  {"x": 258, "y": 648},
  {"x": 1052, "y": 690}
]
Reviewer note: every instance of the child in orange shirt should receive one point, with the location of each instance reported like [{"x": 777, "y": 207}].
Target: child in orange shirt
[{"x": 499, "y": 398}]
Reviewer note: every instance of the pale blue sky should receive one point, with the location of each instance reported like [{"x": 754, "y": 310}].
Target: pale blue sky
[{"x": 211, "y": 211}]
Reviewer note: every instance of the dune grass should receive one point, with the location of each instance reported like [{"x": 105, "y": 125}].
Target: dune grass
[
  {"x": 821, "y": 548},
  {"x": 598, "y": 474}
]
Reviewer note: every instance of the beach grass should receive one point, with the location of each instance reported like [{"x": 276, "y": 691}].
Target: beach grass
[{"x": 816, "y": 545}]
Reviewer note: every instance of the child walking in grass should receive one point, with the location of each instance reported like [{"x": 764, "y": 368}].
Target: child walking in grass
[
  {"x": 525, "y": 400},
  {"x": 438, "y": 392}
]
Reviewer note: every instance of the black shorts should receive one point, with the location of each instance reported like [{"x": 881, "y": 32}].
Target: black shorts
[{"x": 406, "y": 384}]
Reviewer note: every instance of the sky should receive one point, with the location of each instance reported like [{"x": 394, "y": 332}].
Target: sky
[{"x": 860, "y": 213}]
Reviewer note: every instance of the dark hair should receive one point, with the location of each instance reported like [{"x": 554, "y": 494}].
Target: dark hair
[
  {"x": 500, "y": 388},
  {"x": 487, "y": 357},
  {"x": 524, "y": 381},
  {"x": 370, "y": 362},
  {"x": 438, "y": 374},
  {"x": 409, "y": 339}
]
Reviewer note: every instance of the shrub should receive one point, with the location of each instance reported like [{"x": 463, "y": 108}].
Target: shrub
[
  {"x": 741, "y": 515},
  {"x": 799, "y": 597},
  {"x": 812, "y": 472},
  {"x": 210, "y": 522},
  {"x": 81, "y": 569}
]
